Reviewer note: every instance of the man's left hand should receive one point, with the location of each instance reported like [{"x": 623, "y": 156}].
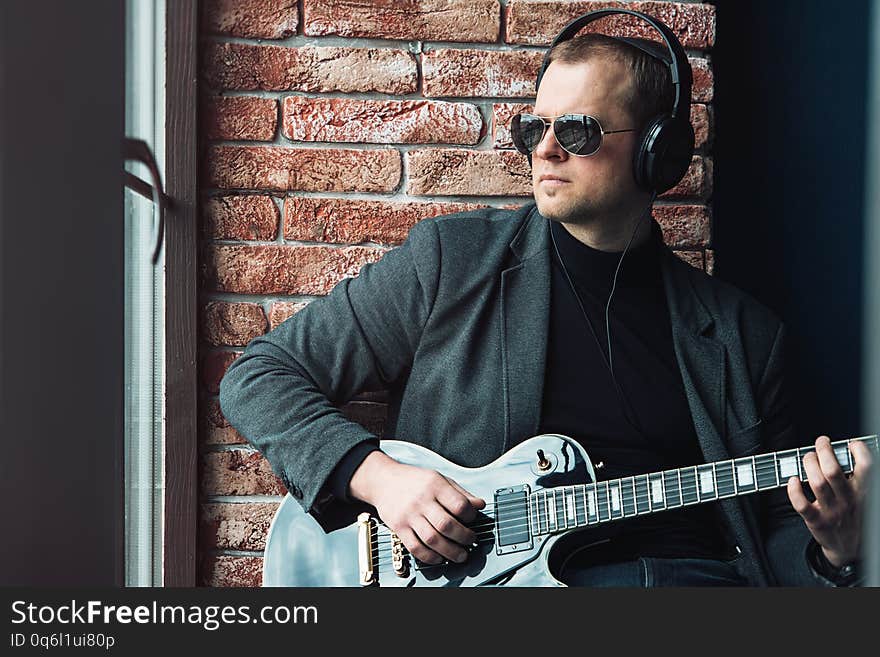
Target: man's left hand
[{"x": 835, "y": 517}]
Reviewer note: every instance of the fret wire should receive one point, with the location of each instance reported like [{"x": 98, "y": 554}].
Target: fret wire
[
  {"x": 607, "y": 499},
  {"x": 586, "y": 508},
  {"x": 564, "y": 507},
  {"x": 635, "y": 498}
]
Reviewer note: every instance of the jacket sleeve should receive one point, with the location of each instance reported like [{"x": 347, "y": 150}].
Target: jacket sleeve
[
  {"x": 283, "y": 393},
  {"x": 788, "y": 544}
]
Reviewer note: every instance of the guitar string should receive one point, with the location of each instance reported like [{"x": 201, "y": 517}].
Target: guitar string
[
  {"x": 625, "y": 484},
  {"x": 763, "y": 466},
  {"x": 489, "y": 536},
  {"x": 524, "y": 521},
  {"x": 485, "y": 537},
  {"x": 580, "y": 506},
  {"x": 761, "y": 469}
]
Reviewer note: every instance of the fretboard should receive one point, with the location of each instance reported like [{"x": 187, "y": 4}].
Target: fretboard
[{"x": 559, "y": 509}]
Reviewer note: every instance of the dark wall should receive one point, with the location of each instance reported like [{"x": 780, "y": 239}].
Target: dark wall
[
  {"x": 790, "y": 96},
  {"x": 61, "y": 291}
]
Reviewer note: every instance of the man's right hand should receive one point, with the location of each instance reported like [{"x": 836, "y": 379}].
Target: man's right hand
[{"x": 425, "y": 509}]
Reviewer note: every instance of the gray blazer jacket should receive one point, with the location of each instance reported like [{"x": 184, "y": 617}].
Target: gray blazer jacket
[{"x": 453, "y": 323}]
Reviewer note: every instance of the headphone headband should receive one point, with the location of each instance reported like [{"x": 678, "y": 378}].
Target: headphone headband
[{"x": 680, "y": 70}]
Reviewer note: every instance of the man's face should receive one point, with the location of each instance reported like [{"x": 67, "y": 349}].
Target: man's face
[{"x": 599, "y": 187}]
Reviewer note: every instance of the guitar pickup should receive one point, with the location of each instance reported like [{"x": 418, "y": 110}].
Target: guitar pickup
[{"x": 512, "y": 531}]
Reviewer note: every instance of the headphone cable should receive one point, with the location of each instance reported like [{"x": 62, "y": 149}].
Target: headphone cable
[
  {"x": 608, "y": 363},
  {"x": 646, "y": 213}
]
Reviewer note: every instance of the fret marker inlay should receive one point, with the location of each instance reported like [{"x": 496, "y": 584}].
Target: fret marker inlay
[
  {"x": 657, "y": 490},
  {"x": 615, "y": 498},
  {"x": 744, "y": 474},
  {"x": 706, "y": 484},
  {"x": 788, "y": 467}
]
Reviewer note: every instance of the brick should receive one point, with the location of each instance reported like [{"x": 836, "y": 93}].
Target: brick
[
  {"x": 701, "y": 121},
  {"x": 693, "y": 258},
  {"x": 425, "y": 20},
  {"x": 259, "y": 19},
  {"x": 703, "y": 89},
  {"x": 538, "y": 22},
  {"x": 224, "y": 570},
  {"x": 303, "y": 169},
  {"x": 467, "y": 73},
  {"x": 381, "y": 121},
  {"x": 353, "y": 221},
  {"x": 215, "y": 429},
  {"x": 696, "y": 183},
  {"x": 214, "y": 366},
  {"x": 230, "y": 526},
  {"x": 470, "y": 73},
  {"x": 240, "y": 117},
  {"x": 284, "y": 269},
  {"x": 232, "y": 324},
  {"x": 502, "y": 113},
  {"x": 370, "y": 415},
  {"x": 238, "y": 472},
  {"x": 236, "y": 217},
  {"x": 280, "y": 311},
  {"x": 309, "y": 68},
  {"x": 464, "y": 172},
  {"x": 684, "y": 226}
]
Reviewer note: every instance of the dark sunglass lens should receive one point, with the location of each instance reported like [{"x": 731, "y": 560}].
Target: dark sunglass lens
[
  {"x": 526, "y": 131},
  {"x": 578, "y": 134}
]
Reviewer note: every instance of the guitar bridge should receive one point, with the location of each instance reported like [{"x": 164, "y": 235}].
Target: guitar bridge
[{"x": 369, "y": 574}]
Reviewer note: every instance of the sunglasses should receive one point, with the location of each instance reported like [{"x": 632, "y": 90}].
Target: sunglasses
[{"x": 578, "y": 134}]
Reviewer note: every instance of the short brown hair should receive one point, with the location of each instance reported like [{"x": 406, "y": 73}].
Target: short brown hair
[{"x": 651, "y": 93}]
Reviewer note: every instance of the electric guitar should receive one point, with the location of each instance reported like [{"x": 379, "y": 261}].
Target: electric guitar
[{"x": 539, "y": 492}]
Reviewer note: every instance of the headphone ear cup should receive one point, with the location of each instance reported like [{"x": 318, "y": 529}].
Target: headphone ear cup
[{"x": 664, "y": 153}]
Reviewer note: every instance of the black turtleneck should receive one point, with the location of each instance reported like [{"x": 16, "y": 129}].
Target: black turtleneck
[{"x": 580, "y": 399}]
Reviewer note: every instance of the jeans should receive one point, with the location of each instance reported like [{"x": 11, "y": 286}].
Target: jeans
[{"x": 654, "y": 571}]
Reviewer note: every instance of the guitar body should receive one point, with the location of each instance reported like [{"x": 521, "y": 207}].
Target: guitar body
[{"x": 300, "y": 553}]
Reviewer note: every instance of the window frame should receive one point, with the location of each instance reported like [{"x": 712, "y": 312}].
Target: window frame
[{"x": 181, "y": 285}]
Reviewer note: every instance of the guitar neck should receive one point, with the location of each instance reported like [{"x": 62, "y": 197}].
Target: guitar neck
[{"x": 555, "y": 510}]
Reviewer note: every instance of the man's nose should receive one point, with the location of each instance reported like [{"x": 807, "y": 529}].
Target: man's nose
[{"x": 549, "y": 147}]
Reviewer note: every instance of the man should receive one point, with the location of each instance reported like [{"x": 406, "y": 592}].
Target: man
[{"x": 486, "y": 328}]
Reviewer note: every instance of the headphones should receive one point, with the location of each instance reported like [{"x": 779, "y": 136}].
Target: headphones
[{"x": 666, "y": 143}]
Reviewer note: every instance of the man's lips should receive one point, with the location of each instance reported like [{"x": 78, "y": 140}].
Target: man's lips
[{"x": 552, "y": 180}]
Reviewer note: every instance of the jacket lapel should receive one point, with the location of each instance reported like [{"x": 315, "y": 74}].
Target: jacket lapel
[
  {"x": 700, "y": 356},
  {"x": 525, "y": 314}
]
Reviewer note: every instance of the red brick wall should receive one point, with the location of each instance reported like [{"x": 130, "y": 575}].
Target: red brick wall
[{"x": 327, "y": 130}]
